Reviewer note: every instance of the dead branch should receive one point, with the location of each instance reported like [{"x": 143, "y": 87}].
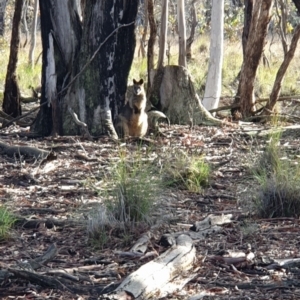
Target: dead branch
[{"x": 26, "y": 151}]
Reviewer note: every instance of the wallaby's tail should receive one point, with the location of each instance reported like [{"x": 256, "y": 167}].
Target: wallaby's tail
[{"x": 156, "y": 114}]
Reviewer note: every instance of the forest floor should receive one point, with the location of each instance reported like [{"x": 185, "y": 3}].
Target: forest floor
[{"x": 57, "y": 190}]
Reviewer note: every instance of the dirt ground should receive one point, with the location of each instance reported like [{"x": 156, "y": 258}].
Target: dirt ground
[{"x": 53, "y": 194}]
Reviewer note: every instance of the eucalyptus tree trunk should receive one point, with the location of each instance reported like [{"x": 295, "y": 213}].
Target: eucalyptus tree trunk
[
  {"x": 11, "y": 100},
  {"x": 181, "y": 33},
  {"x": 214, "y": 77},
  {"x": 24, "y": 21},
  {"x": 193, "y": 26},
  {"x": 163, "y": 34},
  {"x": 142, "y": 49},
  {"x": 247, "y": 22},
  {"x": 85, "y": 64},
  {"x": 61, "y": 35},
  {"x": 254, "y": 49},
  {"x": 33, "y": 33},
  {"x": 100, "y": 91},
  {"x": 151, "y": 41},
  {"x": 281, "y": 11},
  {"x": 154, "y": 95},
  {"x": 2, "y": 16}
]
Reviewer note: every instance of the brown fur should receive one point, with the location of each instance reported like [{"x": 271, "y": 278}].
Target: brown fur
[{"x": 133, "y": 119}]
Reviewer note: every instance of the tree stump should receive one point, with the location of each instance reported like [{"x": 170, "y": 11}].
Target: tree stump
[{"x": 173, "y": 93}]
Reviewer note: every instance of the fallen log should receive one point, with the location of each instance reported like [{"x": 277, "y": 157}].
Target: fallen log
[
  {"x": 151, "y": 278},
  {"x": 26, "y": 151}
]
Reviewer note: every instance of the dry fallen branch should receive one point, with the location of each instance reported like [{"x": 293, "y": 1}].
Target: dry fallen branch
[
  {"x": 26, "y": 151},
  {"x": 149, "y": 279}
]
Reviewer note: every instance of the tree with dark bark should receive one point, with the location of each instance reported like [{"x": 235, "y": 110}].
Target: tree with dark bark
[
  {"x": 85, "y": 65},
  {"x": 247, "y": 22},
  {"x": 11, "y": 100},
  {"x": 297, "y": 4}
]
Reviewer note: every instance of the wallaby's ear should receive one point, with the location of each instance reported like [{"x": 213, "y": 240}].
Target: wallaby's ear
[
  {"x": 141, "y": 81},
  {"x": 134, "y": 81}
]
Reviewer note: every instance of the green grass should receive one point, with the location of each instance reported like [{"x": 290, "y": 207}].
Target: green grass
[
  {"x": 135, "y": 186},
  {"x": 189, "y": 172},
  {"x": 129, "y": 189},
  {"x": 278, "y": 179},
  {"x": 138, "y": 69},
  {"x": 26, "y": 75},
  {"x": 6, "y": 222}
]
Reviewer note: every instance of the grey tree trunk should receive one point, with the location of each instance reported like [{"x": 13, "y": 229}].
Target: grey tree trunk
[
  {"x": 2, "y": 16},
  {"x": 182, "y": 33},
  {"x": 61, "y": 34},
  {"x": 281, "y": 11},
  {"x": 33, "y": 33},
  {"x": 100, "y": 92},
  {"x": 24, "y": 21},
  {"x": 214, "y": 77},
  {"x": 84, "y": 85},
  {"x": 193, "y": 26},
  {"x": 153, "y": 92},
  {"x": 163, "y": 34},
  {"x": 142, "y": 49},
  {"x": 151, "y": 42}
]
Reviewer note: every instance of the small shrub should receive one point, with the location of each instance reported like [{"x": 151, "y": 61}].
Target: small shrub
[
  {"x": 135, "y": 187},
  {"x": 6, "y": 222},
  {"x": 278, "y": 194},
  {"x": 191, "y": 173},
  {"x": 130, "y": 189}
]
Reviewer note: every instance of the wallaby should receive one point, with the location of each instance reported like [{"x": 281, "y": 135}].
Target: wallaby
[{"x": 133, "y": 119}]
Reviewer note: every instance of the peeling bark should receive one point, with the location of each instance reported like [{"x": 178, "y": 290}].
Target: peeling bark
[
  {"x": 85, "y": 71},
  {"x": 101, "y": 88},
  {"x": 61, "y": 33}
]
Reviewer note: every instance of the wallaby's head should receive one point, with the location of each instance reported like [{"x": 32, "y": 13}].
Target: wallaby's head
[{"x": 138, "y": 86}]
